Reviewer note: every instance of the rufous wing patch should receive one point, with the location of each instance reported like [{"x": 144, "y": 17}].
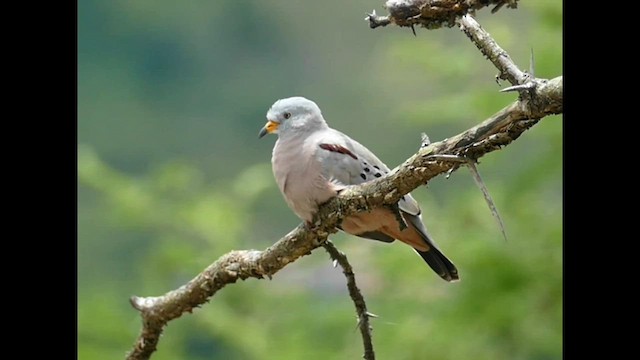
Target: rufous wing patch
[{"x": 339, "y": 149}]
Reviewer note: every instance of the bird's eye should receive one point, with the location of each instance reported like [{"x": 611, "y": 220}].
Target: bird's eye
[{"x": 287, "y": 115}]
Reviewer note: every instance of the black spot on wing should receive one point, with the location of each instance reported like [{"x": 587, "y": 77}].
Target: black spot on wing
[
  {"x": 363, "y": 176},
  {"x": 377, "y": 175}
]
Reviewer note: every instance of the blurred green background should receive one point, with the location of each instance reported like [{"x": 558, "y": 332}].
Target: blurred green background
[{"x": 171, "y": 96}]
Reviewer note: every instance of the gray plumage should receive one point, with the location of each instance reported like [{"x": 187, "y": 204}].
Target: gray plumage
[{"x": 313, "y": 162}]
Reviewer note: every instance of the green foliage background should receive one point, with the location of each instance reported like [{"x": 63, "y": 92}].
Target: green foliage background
[{"x": 171, "y": 96}]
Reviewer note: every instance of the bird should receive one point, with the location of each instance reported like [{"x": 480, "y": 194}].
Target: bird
[{"x": 313, "y": 162}]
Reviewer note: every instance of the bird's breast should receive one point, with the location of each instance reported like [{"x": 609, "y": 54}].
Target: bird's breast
[{"x": 299, "y": 178}]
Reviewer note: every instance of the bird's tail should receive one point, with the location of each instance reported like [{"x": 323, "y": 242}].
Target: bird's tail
[
  {"x": 433, "y": 257},
  {"x": 439, "y": 263}
]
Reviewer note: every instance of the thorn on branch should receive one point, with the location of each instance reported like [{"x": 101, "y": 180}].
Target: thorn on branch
[
  {"x": 448, "y": 175},
  {"x": 449, "y": 158},
  {"x": 477, "y": 179},
  {"x": 372, "y": 315},
  {"x": 375, "y": 20},
  {"x": 532, "y": 64},
  {"x": 367, "y": 315},
  {"x": 424, "y": 140},
  {"x": 487, "y": 197},
  {"x": 519, "y": 88},
  {"x": 496, "y": 8}
]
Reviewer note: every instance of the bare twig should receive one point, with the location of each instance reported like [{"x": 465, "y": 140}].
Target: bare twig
[
  {"x": 489, "y": 48},
  {"x": 356, "y": 296}
]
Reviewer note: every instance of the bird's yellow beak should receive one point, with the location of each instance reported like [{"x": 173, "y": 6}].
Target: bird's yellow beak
[{"x": 270, "y": 128}]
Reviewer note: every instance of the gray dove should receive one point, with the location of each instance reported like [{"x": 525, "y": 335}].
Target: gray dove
[{"x": 312, "y": 163}]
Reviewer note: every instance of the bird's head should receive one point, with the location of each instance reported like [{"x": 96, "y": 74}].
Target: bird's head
[{"x": 293, "y": 115}]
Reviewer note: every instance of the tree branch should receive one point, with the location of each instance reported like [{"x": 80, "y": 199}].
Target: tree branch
[
  {"x": 156, "y": 312},
  {"x": 432, "y": 14},
  {"x": 489, "y": 48},
  {"x": 492, "y": 134},
  {"x": 356, "y": 296},
  {"x": 538, "y": 98}
]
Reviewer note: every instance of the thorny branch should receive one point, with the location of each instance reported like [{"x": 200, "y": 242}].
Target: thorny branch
[
  {"x": 358, "y": 300},
  {"x": 432, "y": 14},
  {"x": 538, "y": 98},
  {"x": 488, "y": 47}
]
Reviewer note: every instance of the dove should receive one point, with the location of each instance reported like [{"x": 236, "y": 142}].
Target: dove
[{"x": 312, "y": 163}]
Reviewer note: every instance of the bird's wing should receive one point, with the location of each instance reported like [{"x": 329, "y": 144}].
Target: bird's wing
[{"x": 345, "y": 161}]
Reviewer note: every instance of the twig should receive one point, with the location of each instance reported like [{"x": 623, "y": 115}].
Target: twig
[
  {"x": 489, "y": 48},
  {"x": 356, "y": 296},
  {"x": 432, "y": 14}
]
